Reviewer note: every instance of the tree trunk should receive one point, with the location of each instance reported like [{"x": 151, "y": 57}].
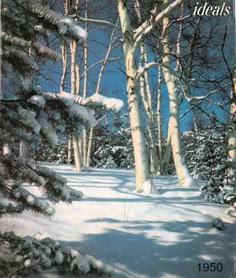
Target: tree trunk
[
  {"x": 159, "y": 133},
  {"x": 69, "y": 151},
  {"x": 143, "y": 181},
  {"x": 146, "y": 99},
  {"x": 167, "y": 154},
  {"x": 232, "y": 122},
  {"x": 90, "y": 142},
  {"x": 85, "y": 85},
  {"x": 182, "y": 171},
  {"x": 77, "y": 152},
  {"x": 77, "y": 156}
]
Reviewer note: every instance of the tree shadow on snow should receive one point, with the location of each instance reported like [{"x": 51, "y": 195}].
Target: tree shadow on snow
[{"x": 133, "y": 253}]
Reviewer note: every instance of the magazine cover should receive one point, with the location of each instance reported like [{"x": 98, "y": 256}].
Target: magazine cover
[{"x": 118, "y": 139}]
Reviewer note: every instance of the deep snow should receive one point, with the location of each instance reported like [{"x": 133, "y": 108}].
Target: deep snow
[{"x": 165, "y": 235}]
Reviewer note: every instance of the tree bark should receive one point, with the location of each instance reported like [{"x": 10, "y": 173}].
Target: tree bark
[
  {"x": 159, "y": 133},
  {"x": 146, "y": 99},
  {"x": 143, "y": 181},
  {"x": 232, "y": 121},
  {"x": 77, "y": 152},
  {"x": 182, "y": 171}
]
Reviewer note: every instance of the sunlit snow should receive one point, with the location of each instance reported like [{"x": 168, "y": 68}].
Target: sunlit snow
[{"x": 163, "y": 235}]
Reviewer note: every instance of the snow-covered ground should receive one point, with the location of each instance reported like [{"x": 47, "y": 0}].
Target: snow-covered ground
[{"x": 165, "y": 235}]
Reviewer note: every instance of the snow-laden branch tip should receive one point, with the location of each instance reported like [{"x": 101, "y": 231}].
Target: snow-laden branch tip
[
  {"x": 96, "y": 100},
  {"x": 149, "y": 24},
  {"x": 66, "y": 25},
  {"x": 74, "y": 107}
]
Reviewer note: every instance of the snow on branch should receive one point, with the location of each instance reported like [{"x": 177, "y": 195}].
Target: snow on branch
[
  {"x": 76, "y": 104},
  {"x": 41, "y": 49},
  {"x": 74, "y": 108},
  {"x": 47, "y": 128},
  {"x": 33, "y": 202},
  {"x": 37, "y": 253},
  {"x": 65, "y": 24},
  {"x": 13, "y": 54},
  {"x": 44, "y": 50},
  {"x": 96, "y": 100},
  {"x": 15, "y": 40},
  {"x": 149, "y": 24}
]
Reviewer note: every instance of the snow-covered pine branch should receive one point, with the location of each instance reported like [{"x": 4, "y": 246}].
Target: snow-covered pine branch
[
  {"x": 40, "y": 48},
  {"x": 32, "y": 202},
  {"x": 65, "y": 24},
  {"x": 74, "y": 109},
  {"x": 46, "y": 51},
  {"x": 96, "y": 100},
  {"x": 17, "y": 55},
  {"x": 34, "y": 254},
  {"x": 14, "y": 40}
]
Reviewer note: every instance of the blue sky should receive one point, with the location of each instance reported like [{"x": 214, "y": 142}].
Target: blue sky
[{"x": 114, "y": 79}]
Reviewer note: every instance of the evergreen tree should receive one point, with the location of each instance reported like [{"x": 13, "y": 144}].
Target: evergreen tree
[{"x": 27, "y": 114}]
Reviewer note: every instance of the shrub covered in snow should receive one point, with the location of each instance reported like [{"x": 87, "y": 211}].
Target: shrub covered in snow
[
  {"x": 205, "y": 153},
  {"x": 21, "y": 256},
  {"x": 110, "y": 149}
]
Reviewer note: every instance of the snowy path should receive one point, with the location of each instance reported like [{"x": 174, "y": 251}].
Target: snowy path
[{"x": 161, "y": 236}]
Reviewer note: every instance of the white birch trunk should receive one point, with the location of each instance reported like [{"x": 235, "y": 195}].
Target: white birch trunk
[
  {"x": 159, "y": 133},
  {"x": 90, "y": 142},
  {"x": 138, "y": 139},
  {"x": 77, "y": 156},
  {"x": 77, "y": 153},
  {"x": 85, "y": 85},
  {"x": 232, "y": 122},
  {"x": 146, "y": 99},
  {"x": 182, "y": 171}
]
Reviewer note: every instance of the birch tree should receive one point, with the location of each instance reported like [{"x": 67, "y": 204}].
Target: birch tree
[
  {"x": 232, "y": 121},
  {"x": 183, "y": 174},
  {"x": 131, "y": 40}
]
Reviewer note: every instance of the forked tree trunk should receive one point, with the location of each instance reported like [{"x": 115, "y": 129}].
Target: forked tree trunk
[
  {"x": 182, "y": 171},
  {"x": 143, "y": 181}
]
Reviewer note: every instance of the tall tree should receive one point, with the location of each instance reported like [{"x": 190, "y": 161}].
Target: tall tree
[
  {"x": 131, "y": 40},
  {"x": 184, "y": 176},
  {"x": 232, "y": 120}
]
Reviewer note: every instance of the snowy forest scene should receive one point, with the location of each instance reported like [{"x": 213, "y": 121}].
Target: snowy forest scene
[{"x": 118, "y": 139}]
